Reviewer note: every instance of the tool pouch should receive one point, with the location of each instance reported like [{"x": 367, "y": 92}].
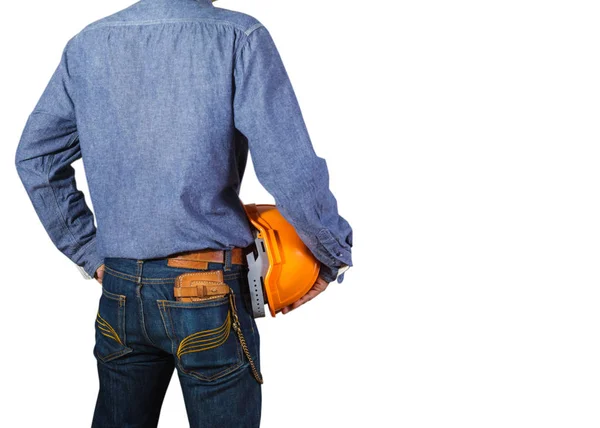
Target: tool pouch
[
  {"x": 209, "y": 285},
  {"x": 199, "y": 286}
]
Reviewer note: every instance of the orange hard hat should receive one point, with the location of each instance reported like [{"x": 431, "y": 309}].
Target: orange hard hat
[{"x": 291, "y": 270}]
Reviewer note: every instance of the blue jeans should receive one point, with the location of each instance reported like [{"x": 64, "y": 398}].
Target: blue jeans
[{"x": 139, "y": 329}]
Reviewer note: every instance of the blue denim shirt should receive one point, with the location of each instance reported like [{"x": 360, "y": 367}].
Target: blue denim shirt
[{"x": 162, "y": 101}]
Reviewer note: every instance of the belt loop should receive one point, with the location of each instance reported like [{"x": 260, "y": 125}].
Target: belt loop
[
  {"x": 227, "y": 258},
  {"x": 138, "y": 271}
]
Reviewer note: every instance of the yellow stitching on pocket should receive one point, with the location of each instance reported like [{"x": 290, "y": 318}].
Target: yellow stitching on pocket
[
  {"x": 106, "y": 329},
  {"x": 215, "y": 331},
  {"x": 206, "y": 339}
]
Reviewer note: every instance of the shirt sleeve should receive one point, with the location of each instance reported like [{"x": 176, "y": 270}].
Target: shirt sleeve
[
  {"x": 266, "y": 111},
  {"x": 48, "y": 146}
]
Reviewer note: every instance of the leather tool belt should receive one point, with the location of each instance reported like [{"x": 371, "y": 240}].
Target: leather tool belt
[
  {"x": 200, "y": 259},
  {"x": 207, "y": 284},
  {"x": 198, "y": 286}
]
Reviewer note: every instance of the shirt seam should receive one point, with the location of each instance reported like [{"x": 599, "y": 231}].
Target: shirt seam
[
  {"x": 161, "y": 21},
  {"x": 253, "y": 27},
  {"x": 247, "y": 32},
  {"x": 61, "y": 214}
]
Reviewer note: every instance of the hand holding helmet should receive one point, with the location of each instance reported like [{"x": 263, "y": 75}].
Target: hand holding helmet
[{"x": 319, "y": 286}]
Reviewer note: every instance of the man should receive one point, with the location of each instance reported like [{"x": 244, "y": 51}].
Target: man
[{"x": 162, "y": 101}]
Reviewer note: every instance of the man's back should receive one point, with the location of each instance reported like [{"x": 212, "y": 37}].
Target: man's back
[
  {"x": 154, "y": 95},
  {"x": 162, "y": 100}
]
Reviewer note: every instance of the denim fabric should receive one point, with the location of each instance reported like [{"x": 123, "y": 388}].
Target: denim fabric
[
  {"x": 139, "y": 327},
  {"x": 163, "y": 101}
]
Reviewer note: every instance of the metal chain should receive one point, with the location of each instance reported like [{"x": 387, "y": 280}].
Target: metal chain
[{"x": 238, "y": 330}]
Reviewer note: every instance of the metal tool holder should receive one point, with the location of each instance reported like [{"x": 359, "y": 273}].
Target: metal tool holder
[{"x": 258, "y": 264}]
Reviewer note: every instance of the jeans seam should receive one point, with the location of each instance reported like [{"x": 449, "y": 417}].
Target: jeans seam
[
  {"x": 164, "y": 310},
  {"x": 138, "y": 293},
  {"x": 122, "y": 307}
]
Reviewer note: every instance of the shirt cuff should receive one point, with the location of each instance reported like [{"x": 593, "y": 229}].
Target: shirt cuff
[
  {"x": 335, "y": 259},
  {"x": 332, "y": 251},
  {"x": 89, "y": 261}
]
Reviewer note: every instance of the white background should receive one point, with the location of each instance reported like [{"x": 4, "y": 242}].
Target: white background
[{"x": 462, "y": 141}]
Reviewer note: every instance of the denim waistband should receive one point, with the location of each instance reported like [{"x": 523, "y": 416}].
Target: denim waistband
[{"x": 157, "y": 270}]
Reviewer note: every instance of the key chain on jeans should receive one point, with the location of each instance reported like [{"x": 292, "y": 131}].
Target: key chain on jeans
[{"x": 238, "y": 330}]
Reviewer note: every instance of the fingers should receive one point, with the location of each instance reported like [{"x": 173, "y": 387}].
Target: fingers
[
  {"x": 99, "y": 274},
  {"x": 319, "y": 286}
]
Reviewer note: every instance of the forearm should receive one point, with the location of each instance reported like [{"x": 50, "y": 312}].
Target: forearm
[
  {"x": 314, "y": 214},
  {"x": 43, "y": 160}
]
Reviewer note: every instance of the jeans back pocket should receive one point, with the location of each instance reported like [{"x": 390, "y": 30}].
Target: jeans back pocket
[
  {"x": 110, "y": 327},
  {"x": 203, "y": 341}
]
